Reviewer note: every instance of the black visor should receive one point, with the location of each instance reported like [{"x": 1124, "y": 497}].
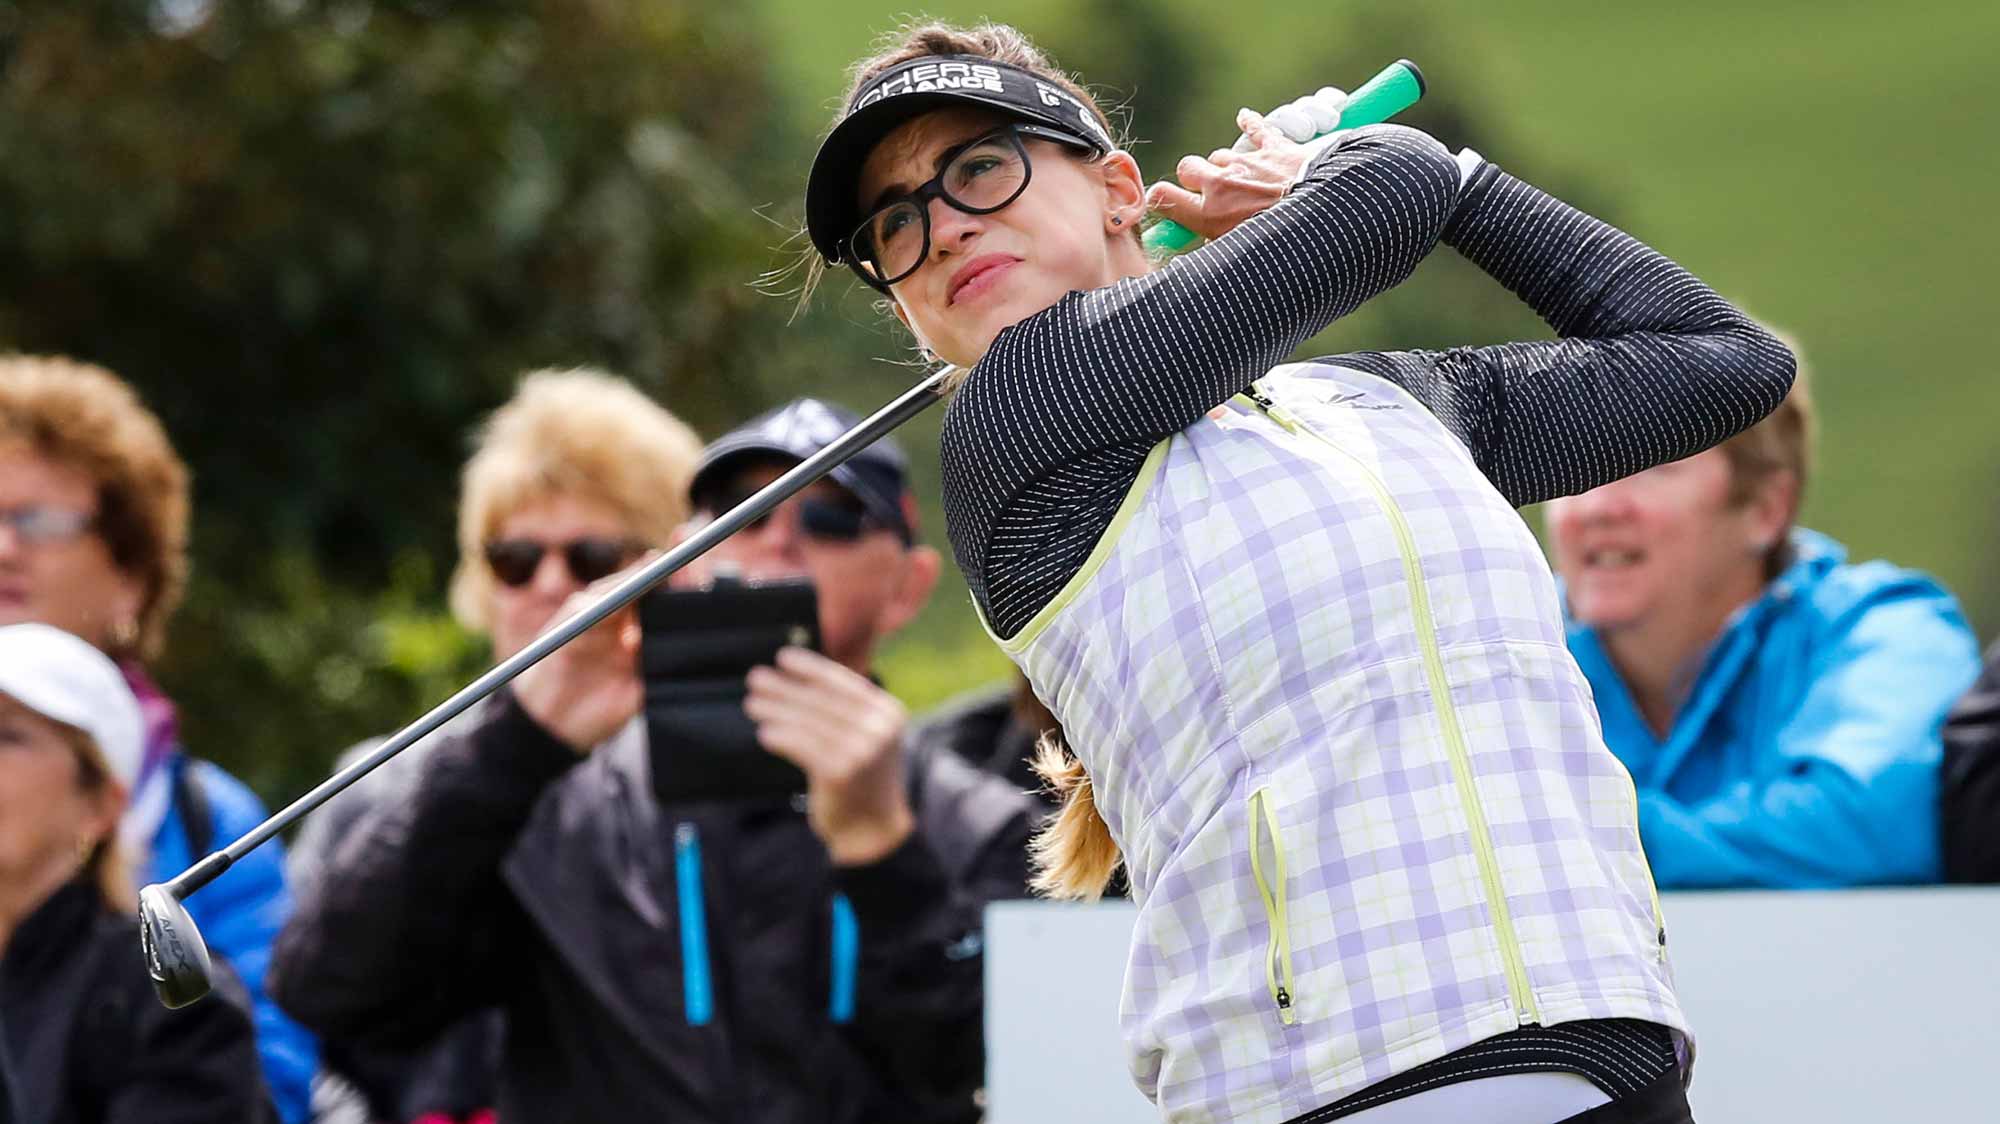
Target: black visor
[{"x": 916, "y": 87}]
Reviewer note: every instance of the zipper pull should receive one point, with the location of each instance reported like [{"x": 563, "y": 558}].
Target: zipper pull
[{"x": 1272, "y": 410}]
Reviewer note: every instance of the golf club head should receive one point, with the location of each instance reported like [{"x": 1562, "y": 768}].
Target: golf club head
[{"x": 176, "y": 957}]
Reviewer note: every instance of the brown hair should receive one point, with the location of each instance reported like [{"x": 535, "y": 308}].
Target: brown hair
[
  {"x": 1074, "y": 855},
  {"x": 575, "y": 433},
  {"x": 107, "y": 865},
  {"x": 996, "y": 41},
  {"x": 87, "y": 418},
  {"x": 1782, "y": 443}
]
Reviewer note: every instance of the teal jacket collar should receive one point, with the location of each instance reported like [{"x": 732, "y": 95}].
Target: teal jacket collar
[
  {"x": 1806, "y": 751},
  {"x": 1653, "y": 760}
]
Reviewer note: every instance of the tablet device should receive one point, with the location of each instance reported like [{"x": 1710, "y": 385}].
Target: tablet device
[{"x": 697, "y": 646}]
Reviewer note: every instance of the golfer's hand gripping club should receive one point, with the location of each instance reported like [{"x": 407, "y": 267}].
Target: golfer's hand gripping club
[
  {"x": 176, "y": 956},
  {"x": 1394, "y": 90}
]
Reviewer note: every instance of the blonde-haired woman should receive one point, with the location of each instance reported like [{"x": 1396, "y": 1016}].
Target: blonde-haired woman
[
  {"x": 87, "y": 1039},
  {"x": 94, "y": 540},
  {"x": 569, "y": 481}
]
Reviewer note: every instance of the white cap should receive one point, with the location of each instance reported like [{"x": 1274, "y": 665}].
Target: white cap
[{"x": 67, "y": 680}]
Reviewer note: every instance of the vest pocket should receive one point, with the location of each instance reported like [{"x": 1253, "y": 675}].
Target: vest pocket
[{"x": 1267, "y": 863}]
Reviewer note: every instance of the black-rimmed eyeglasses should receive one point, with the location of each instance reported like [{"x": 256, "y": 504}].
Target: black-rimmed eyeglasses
[{"x": 979, "y": 177}]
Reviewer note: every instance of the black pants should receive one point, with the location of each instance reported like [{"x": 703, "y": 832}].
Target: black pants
[{"x": 1662, "y": 1102}]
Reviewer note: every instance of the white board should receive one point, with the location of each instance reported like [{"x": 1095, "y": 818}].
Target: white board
[{"x": 1867, "y": 1005}]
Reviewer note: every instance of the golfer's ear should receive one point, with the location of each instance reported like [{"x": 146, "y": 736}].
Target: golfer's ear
[{"x": 1124, "y": 188}]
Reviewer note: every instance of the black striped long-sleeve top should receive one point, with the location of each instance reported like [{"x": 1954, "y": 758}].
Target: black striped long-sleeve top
[{"x": 1047, "y": 434}]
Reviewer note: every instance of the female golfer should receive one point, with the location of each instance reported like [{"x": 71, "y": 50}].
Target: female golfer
[{"x": 1307, "y": 652}]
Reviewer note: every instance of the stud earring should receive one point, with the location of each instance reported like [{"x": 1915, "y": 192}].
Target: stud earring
[{"x": 1117, "y": 220}]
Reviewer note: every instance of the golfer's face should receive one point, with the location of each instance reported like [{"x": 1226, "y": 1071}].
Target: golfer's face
[{"x": 984, "y": 273}]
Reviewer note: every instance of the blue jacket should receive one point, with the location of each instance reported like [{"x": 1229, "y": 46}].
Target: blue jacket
[
  {"x": 1807, "y": 751},
  {"x": 239, "y": 915}
]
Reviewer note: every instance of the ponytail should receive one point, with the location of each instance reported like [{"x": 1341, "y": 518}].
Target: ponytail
[{"x": 1074, "y": 854}]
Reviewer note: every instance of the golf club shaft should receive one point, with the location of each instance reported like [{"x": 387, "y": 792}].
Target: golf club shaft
[{"x": 871, "y": 429}]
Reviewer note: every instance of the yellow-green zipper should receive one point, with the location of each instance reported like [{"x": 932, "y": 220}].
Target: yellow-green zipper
[
  {"x": 1652, "y": 887},
  {"x": 1440, "y": 689},
  {"x": 1271, "y": 889}
]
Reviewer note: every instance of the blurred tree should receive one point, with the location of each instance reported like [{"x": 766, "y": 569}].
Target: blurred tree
[{"x": 323, "y": 237}]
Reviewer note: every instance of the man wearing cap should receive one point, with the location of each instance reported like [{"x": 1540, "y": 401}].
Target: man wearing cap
[
  {"x": 816, "y": 959},
  {"x": 86, "y": 1039}
]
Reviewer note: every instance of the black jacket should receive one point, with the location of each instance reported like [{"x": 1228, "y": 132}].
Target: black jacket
[
  {"x": 984, "y": 728},
  {"x": 1970, "y": 785},
  {"x": 452, "y": 1076},
  {"x": 90, "y": 1043},
  {"x": 685, "y": 964}
]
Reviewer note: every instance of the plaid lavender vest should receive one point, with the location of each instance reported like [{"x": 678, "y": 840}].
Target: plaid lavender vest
[{"x": 1316, "y": 670}]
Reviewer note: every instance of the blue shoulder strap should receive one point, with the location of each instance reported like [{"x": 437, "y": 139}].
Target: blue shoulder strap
[{"x": 191, "y": 805}]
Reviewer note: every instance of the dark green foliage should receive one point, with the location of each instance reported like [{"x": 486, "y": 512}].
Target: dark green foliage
[{"x": 323, "y": 239}]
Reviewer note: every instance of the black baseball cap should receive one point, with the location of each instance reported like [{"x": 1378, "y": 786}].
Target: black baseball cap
[
  {"x": 878, "y": 476},
  {"x": 910, "y": 89}
]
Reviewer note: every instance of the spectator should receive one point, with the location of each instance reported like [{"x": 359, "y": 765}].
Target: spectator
[
  {"x": 1971, "y": 804},
  {"x": 1777, "y": 706},
  {"x": 89, "y": 1041},
  {"x": 95, "y": 503},
  {"x": 577, "y": 457},
  {"x": 810, "y": 960}
]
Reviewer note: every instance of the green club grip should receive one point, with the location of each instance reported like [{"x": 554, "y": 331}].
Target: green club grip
[{"x": 1391, "y": 92}]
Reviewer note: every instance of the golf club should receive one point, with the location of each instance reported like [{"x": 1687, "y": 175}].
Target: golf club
[{"x": 176, "y": 956}]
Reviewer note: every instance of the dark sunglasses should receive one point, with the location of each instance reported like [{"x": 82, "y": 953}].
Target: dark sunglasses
[
  {"x": 514, "y": 561},
  {"x": 979, "y": 177},
  {"x": 821, "y": 518}
]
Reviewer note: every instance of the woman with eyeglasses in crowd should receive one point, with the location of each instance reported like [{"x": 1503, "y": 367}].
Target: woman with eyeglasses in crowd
[
  {"x": 94, "y": 540},
  {"x": 1310, "y": 658}
]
